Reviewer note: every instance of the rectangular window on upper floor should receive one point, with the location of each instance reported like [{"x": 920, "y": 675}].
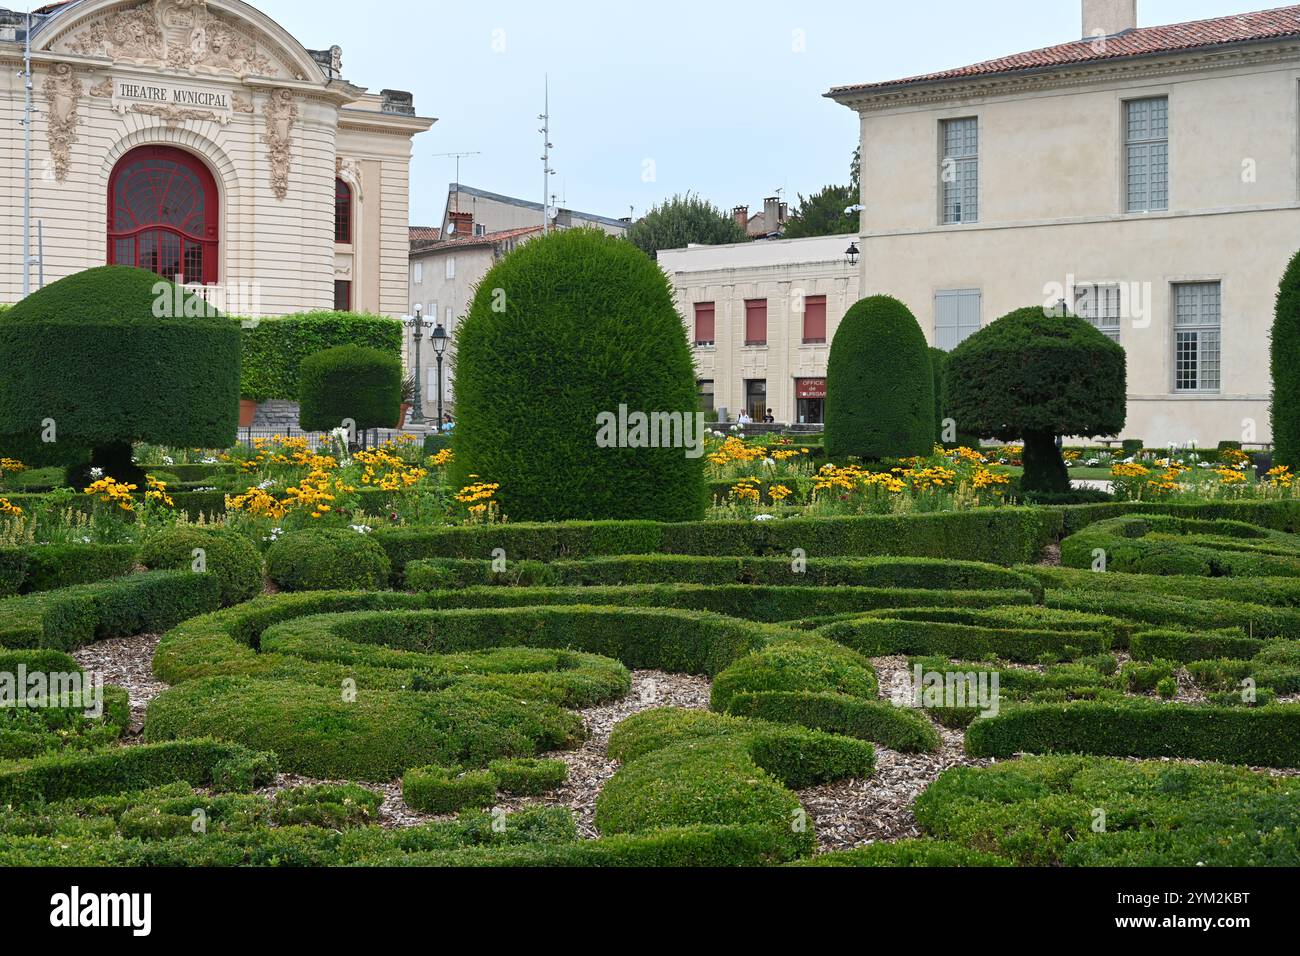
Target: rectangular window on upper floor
[
  {"x": 959, "y": 170},
  {"x": 1146, "y": 154}
]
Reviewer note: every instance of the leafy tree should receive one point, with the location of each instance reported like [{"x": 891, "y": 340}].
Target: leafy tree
[
  {"x": 682, "y": 221},
  {"x": 822, "y": 214},
  {"x": 565, "y": 331},
  {"x": 1033, "y": 376},
  {"x": 879, "y": 384},
  {"x": 1286, "y": 368}
]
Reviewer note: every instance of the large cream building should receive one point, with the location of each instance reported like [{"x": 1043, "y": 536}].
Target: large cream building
[
  {"x": 197, "y": 138},
  {"x": 761, "y": 316},
  {"x": 1148, "y": 176}
]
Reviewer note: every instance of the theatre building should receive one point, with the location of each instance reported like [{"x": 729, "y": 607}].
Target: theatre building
[{"x": 198, "y": 139}]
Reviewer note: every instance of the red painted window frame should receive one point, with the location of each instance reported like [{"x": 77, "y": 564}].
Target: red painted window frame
[
  {"x": 211, "y": 237},
  {"x": 342, "y": 212}
]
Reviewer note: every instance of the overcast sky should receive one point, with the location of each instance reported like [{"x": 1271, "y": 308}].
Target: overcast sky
[{"x": 719, "y": 97}]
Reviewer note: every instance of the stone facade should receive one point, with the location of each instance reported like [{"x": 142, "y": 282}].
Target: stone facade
[{"x": 276, "y": 125}]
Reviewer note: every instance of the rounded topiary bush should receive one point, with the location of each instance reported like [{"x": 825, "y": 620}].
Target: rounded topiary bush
[
  {"x": 115, "y": 355},
  {"x": 565, "y": 329},
  {"x": 1286, "y": 369},
  {"x": 879, "y": 384},
  {"x": 1032, "y": 376},
  {"x": 350, "y": 383},
  {"x": 232, "y": 557},
  {"x": 328, "y": 560}
]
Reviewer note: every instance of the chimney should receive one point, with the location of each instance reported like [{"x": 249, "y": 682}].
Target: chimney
[
  {"x": 462, "y": 224},
  {"x": 1108, "y": 18},
  {"x": 771, "y": 215},
  {"x": 741, "y": 215}
]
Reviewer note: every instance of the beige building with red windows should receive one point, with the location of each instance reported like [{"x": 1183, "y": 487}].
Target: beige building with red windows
[
  {"x": 761, "y": 316},
  {"x": 1149, "y": 177},
  {"x": 198, "y": 139}
]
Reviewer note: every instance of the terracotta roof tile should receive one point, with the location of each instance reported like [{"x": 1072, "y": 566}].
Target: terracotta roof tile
[
  {"x": 425, "y": 233},
  {"x": 1144, "y": 41},
  {"x": 488, "y": 239}
]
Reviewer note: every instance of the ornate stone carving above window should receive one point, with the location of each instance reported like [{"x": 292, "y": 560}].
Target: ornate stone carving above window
[
  {"x": 62, "y": 92},
  {"x": 281, "y": 116}
]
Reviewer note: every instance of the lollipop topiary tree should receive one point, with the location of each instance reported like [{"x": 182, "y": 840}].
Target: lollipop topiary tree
[
  {"x": 112, "y": 356},
  {"x": 1032, "y": 376},
  {"x": 880, "y": 384},
  {"x": 569, "y": 338}
]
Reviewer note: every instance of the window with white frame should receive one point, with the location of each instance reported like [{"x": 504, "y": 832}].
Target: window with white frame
[
  {"x": 1147, "y": 153},
  {"x": 960, "y": 170},
  {"x": 419, "y": 273},
  {"x": 1101, "y": 305},
  {"x": 956, "y": 317},
  {"x": 451, "y": 267},
  {"x": 1197, "y": 336}
]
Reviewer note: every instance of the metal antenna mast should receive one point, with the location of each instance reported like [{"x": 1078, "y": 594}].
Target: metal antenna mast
[
  {"x": 547, "y": 172},
  {"x": 457, "y": 157}
]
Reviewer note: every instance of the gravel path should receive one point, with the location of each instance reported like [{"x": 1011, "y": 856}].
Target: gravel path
[
  {"x": 853, "y": 813},
  {"x": 126, "y": 662}
]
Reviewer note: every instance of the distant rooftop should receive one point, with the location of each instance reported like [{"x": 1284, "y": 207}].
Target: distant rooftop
[
  {"x": 528, "y": 204},
  {"x": 472, "y": 242},
  {"x": 1266, "y": 25}
]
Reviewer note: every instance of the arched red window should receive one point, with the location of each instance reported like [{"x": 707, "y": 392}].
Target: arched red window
[
  {"x": 342, "y": 211},
  {"x": 163, "y": 214}
]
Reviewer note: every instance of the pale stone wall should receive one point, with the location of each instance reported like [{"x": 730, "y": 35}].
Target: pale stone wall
[{"x": 1052, "y": 206}]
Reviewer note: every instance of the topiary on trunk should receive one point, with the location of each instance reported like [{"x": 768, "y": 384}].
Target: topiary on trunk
[
  {"x": 879, "y": 384},
  {"x": 1286, "y": 369},
  {"x": 562, "y": 334},
  {"x": 112, "y": 356},
  {"x": 1033, "y": 376}
]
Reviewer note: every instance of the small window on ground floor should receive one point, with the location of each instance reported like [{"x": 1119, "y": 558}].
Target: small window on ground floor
[
  {"x": 1197, "y": 337},
  {"x": 342, "y": 295}
]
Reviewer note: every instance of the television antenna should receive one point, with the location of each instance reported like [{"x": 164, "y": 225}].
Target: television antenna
[{"x": 458, "y": 157}]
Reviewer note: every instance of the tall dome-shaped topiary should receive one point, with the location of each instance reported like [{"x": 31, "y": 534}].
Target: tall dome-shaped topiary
[
  {"x": 1286, "y": 369},
  {"x": 1032, "y": 376},
  {"x": 879, "y": 384},
  {"x": 115, "y": 355},
  {"x": 564, "y": 333}
]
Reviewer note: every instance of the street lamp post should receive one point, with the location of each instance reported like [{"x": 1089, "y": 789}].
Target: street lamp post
[
  {"x": 440, "y": 342},
  {"x": 418, "y": 325}
]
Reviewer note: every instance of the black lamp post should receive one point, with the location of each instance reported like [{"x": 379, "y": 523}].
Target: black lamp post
[
  {"x": 440, "y": 343},
  {"x": 418, "y": 325},
  {"x": 852, "y": 254}
]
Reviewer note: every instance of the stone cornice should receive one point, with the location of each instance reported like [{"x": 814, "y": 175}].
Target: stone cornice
[{"x": 1046, "y": 79}]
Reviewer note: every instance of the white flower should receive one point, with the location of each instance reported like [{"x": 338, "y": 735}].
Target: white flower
[
  {"x": 167, "y": 460},
  {"x": 209, "y": 461},
  {"x": 764, "y": 517},
  {"x": 97, "y": 473},
  {"x": 770, "y": 462},
  {"x": 360, "y": 529},
  {"x": 269, "y": 483}
]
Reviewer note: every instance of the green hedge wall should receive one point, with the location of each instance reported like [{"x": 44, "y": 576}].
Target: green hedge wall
[
  {"x": 137, "y": 604},
  {"x": 1259, "y": 737},
  {"x": 1162, "y": 544},
  {"x": 53, "y": 566},
  {"x": 908, "y": 573},
  {"x": 1002, "y": 536},
  {"x": 349, "y": 384},
  {"x": 273, "y": 349}
]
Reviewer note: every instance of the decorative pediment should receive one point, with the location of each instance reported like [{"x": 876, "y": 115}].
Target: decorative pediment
[{"x": 192, "y": 36}]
